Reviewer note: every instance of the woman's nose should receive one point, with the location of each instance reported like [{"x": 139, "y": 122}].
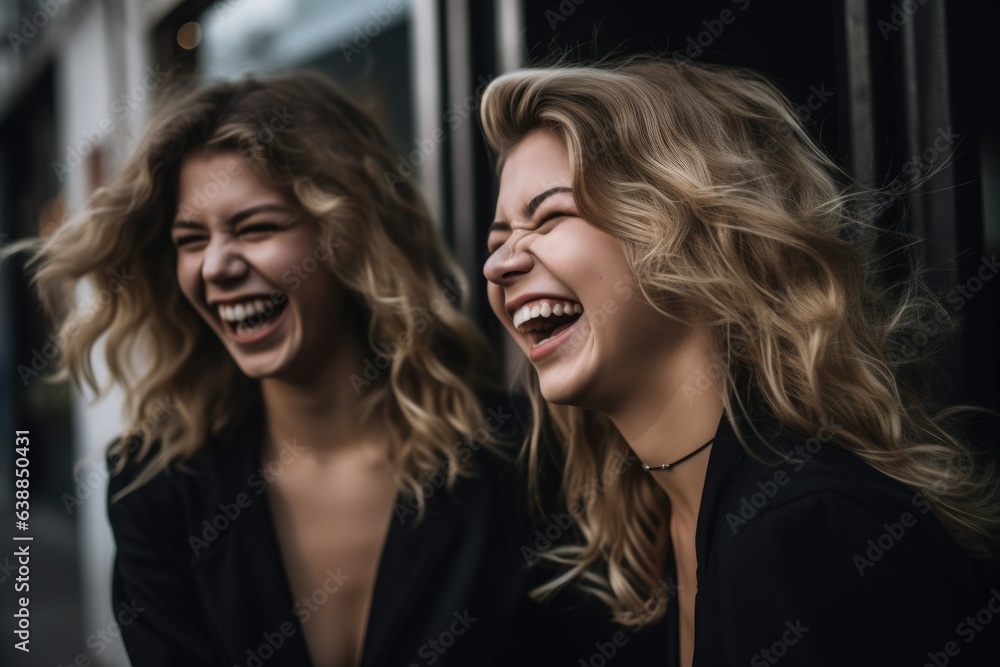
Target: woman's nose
[
  {"x": 508, "y": 261},
  {"x": 223, "y": 262}
]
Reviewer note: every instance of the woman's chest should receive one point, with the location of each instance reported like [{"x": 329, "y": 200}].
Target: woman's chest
[{"x": 331, "y": 537}]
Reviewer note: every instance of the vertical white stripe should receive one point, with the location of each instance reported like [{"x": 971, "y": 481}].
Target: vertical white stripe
[
  {"x": 510, "y": 50},
  {"x": 426, "y": 88},
  {"x": 462, "y": 125}
]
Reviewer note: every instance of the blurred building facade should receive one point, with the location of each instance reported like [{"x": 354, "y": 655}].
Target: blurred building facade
[{"x": 895, "y": 90}]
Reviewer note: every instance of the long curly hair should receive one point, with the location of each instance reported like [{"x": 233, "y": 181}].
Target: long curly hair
[
  {"x": 723, "y": 203},
  {"x": 301, "y": 135}
]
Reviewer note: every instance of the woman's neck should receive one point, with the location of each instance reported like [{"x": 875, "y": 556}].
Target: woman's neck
[
  {"x": 321, "y": 412},
  {"x": 670, "y": 415}
]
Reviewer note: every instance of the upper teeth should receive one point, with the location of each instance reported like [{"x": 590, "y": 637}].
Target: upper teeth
[
  {"x": 242, "y": 311},
  {"x": 544, "y": 309}
]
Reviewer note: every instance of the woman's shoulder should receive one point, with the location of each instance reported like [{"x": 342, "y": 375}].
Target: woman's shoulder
[
  {"x": 826, "y": 504},
  {"x": 136, "y": 482},
  {"x": 793, "y": 471},
  {"x": 852, "y": 562},
  {"x": 855, "y": 556}
]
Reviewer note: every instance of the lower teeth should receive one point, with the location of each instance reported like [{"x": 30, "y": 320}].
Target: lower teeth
[{"x": 245, "y": 329}]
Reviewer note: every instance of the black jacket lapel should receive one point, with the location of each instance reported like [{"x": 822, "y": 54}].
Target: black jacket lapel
[
  {"x": 411, "y": 552},
  {"x": 249, "y": 598}
]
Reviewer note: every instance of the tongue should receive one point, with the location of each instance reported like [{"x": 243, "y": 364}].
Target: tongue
[{"x": 562, "y": 327}]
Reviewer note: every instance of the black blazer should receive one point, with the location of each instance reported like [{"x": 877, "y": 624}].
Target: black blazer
[
  {"x": 826, "y": 561},
  {"x": 199, "y": 579}
]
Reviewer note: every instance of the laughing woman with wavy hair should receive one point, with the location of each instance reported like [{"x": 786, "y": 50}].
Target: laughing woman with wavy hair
[
  {"x": 299, "y": 315},
  {"x": 677, "y": 260}
]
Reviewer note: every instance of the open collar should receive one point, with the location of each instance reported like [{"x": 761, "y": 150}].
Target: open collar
[{"x": 247, "y": 594}]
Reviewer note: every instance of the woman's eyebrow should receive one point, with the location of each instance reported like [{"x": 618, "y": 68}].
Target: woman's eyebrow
[
  {"x": 532, "y": 206},
  {"x": 499, "y": 226},
  {"x": 186, "y": 224},
  {"x": 239, "y": 217}
]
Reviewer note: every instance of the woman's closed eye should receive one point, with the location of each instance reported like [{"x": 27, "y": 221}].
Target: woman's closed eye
[
  {"x": 258, "y": 229},
  {"x": 541, "y": 223},
  {"x": 187, "y": 240},
  {"x": 552, "y": 216},
  {"x": 544, "y": 222}
]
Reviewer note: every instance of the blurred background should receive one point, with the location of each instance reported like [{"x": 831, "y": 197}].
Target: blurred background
[{"x": 900, "y": 92}]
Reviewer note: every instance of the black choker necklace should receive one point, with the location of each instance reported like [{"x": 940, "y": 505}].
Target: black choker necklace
[{"x": 668, "y": 466}]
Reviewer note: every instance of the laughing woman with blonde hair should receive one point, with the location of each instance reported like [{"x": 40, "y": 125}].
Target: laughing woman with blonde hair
[
  {"x": 677, "y": 260},
  {"x": 326, "y": 486}
]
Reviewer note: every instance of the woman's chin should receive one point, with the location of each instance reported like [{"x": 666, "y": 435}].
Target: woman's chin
[
  {"x": 561, "y": 392},
  {"x": 262, "y": 366}
]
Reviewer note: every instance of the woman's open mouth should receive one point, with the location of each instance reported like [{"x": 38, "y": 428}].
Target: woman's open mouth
[
  {"x": 544, "y": 319},
  {"x": 251, "y": 320}
]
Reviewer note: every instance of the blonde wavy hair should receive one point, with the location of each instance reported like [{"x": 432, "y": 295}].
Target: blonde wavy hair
[
  {"x": 723, "y": 203},
  {"x": 302, "y": 135}
]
